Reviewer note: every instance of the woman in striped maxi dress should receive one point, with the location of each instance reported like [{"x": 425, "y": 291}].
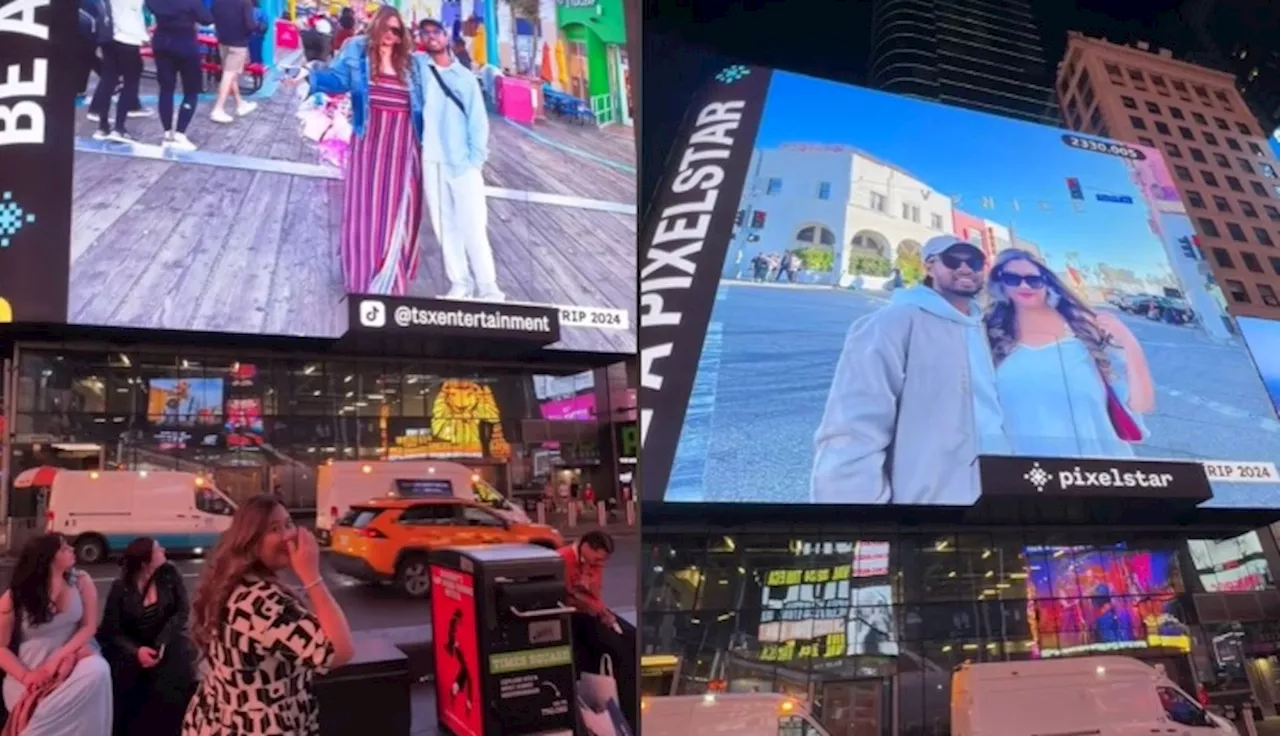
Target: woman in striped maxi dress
[{"x": 382, "y": 196}]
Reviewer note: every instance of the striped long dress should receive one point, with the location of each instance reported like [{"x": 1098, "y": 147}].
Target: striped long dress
[{"x": 382, "y": 201}]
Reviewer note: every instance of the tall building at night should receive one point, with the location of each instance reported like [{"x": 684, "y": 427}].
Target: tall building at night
[
  {"x": 983, "y": 55},
  {"x": 1216, "y": 149},
  {"x": 1240, "y": 36}
]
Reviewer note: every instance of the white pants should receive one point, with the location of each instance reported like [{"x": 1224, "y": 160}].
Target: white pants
[{"x": 460, "y": 220}]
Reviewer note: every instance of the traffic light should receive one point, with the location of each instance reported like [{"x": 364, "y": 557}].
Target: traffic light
[
  {"x": 1190, "y": 248},
  {"x": 757, "y": 219},
  {"x": 1073, "y": 185},
  {"x": 742, "y": 217}
]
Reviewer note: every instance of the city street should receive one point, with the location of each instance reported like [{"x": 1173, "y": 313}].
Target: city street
[
  {"x": 773, "y": 353},
  {"x": 380, "y": 607}
]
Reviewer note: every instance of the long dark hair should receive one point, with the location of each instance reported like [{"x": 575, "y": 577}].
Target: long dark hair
[
  {"x": 401, "y": 55},
  {"x": 1002, "y": 321},
  {"x": 233, "y": 559},
  {"x": 136, "y": 558},
  {"x": 29, "y": 588}
]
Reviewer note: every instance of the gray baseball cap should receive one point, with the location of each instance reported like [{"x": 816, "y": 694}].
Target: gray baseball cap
[{"x": 939, "y": 244}]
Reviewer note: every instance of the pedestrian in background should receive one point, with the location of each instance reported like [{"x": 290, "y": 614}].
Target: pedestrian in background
[
  {"x": 144, "y": 637},
  {"x": 263, "y": 642},
  {"x": 234, "y": 22}
]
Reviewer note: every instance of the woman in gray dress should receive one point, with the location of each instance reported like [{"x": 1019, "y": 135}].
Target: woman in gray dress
[{"x": 48, "y": 616}]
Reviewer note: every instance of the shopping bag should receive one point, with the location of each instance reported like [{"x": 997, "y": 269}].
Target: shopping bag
[{"x": 598, "y": 706}]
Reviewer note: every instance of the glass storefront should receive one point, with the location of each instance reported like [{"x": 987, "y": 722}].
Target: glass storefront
[
  {"x": 863, "y": 625},
  {"x": 258, "y": 424}
]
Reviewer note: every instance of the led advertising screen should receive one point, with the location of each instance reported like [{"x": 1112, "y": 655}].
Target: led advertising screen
[
  {"x": 184, "y": 402},
  {"x": 1236, "y": 565},
  {"x": 863, "y": 306},
  {"x": 1263, "y": 338},
  {"x": 165, "y": 201},
  {"x": 1082, "y": 599}
]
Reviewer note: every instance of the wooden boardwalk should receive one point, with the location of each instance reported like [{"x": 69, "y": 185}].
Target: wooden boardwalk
[{"x": 164, "y": 245}]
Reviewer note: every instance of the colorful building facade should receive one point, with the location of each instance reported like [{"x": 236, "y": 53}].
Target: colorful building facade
[{"x": 595, "y": 36}]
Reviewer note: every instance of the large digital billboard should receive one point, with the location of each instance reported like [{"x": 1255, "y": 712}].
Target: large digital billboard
[
  {"x": 491, "y": 161},
  {"x": 858, "y": 306}
]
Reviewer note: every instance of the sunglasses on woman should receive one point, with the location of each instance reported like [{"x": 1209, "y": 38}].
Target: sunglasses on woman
[
  {"x": 1014, "y": 280},
  {"x": 953, "y": 261}
]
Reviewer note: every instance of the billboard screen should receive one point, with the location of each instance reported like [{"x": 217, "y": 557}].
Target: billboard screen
[
  {"x": 170, "y": 208},
  {"x": 1081, "y": 599},
  {"x": 854, "y": 307},
  {"x": 1263, "y": 338}
]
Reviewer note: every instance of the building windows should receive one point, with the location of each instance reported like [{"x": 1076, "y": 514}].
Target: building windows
[
  {"x": 1146, "y": 141},
  {"x": 1186, "y": 133},
  {"x": 1200, "y": 119},
  {"x": 1236, "y": 232},
  {"x": 1194, "y": 199},
  {"x": 1244, "y": 165},
  {"x": 935, "y": 222},
  {"x": 774, "y": 186},
  {"x": 1129, "y": 102},
  {"x": 1268, "y": 295},
  {"x": 1203, "y": 93},
  {"x": 1273, "y": 212},
  {"x": 1221, "y": 204},
  {"x": 1221, "y": 160},
  {"x": 1182, "y": 173},
  {"x": 910, "y": 212},
  {"x": 1234, "y": 184},
  {"x": 824, "y": 190},
  {"x": 1221, "y": 123},
  {"x": 1258, "y": 189},
  {"x": 1208, "y": 227},
  {"x": 1237, "y": 291},
  {"x": 1180, "y": 87},
  {"x": 1114, "y": 73},
  {"x": 1086, "y": 97},
  {"x": 1222, "y": 258},
  {"x": 1222, "y": 97},
  {"x": 1263, "y": 237},
  {"x": 1139, "y": 81},
  {"x": 1095, "y": 122},
  {"x": 879, "y": 202},
  {"x": 1267, "y": 170},
  {"x": 1172, "y": 150},
  {"x": 1162, "y": 128},
  {"x": 1255, "y": 149},
  {"x": 1275, "y": 265},
  {"x": 1137, "y": 122},
  {"x": 1197, "y": 155},
  {"x": 1176, "y": 113},
  {"x": 1152, "y": 107},
  {"x": 1210, "y": 138},
  {"x": 1251, "y": 262},
  {"x": 1209, "y": 178},
  {"x": 1160, "y": 84},
  {"x": 1247, "y": 209},
  {"x": 1233, "y": 144},
  {"x": 1243, "y": 128}
]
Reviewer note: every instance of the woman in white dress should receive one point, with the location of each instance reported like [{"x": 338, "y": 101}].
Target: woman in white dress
[{"x": 48, "y": 619}]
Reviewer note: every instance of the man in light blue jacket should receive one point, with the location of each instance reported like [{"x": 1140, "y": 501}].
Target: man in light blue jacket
[
  {"x": 455, "y": 146},
  {"x": 913, "y": 401}
]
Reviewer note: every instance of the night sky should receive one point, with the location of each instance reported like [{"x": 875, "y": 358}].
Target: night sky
[{"x": 685, "y": 43}]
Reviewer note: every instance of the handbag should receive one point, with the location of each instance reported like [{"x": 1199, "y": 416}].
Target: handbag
[
  {"x": 1122, "y": 421},
  {"x": 598, "y": 704}
]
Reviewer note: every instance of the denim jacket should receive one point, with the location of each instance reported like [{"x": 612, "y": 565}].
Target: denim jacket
[{"x": 461, "y": 136}]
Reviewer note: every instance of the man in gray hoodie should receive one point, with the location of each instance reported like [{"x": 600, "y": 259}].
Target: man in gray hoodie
[{"x": 913, "y": 401}]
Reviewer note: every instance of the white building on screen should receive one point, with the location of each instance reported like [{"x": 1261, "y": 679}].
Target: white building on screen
[{"x": 837, "y": 198}]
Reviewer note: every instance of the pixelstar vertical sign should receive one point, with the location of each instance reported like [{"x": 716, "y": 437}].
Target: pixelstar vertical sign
[{"x": 37, "y": 129}]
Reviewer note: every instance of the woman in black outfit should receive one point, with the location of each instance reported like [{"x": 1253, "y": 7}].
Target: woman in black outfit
[
  {"x": 144, "y": 637},
  {"x": 177, "y": 54}
]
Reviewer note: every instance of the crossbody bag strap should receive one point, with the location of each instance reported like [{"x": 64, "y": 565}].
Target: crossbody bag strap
[{"x": 448, "y": 92}]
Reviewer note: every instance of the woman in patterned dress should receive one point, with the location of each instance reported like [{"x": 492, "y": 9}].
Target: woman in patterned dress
[
  {"x": 263, "y": 645},
  {"x": 382, "y": 192}
]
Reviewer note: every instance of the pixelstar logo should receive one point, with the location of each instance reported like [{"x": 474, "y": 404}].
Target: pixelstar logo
[
  {"x": 1110, "y": 478},
  {"x": 24, "y": 86}
]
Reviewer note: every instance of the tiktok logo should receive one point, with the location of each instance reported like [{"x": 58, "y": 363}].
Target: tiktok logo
[{"x": 373, "y": 314}]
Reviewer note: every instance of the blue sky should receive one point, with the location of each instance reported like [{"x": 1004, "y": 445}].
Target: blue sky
[
  {"x": 961, "y": 152},
  {"x": 1263, "y": 338}
]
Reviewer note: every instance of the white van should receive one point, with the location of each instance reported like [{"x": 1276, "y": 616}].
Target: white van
[
  {"x": 100, "y": 512},
  {"x": 340, "y": 485},
  {"x": 739, "y": 714},
  {"x": 1106, "y": 696}
]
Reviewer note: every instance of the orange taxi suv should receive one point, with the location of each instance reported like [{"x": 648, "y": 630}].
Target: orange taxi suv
[{"x": 386, "y": 540}]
